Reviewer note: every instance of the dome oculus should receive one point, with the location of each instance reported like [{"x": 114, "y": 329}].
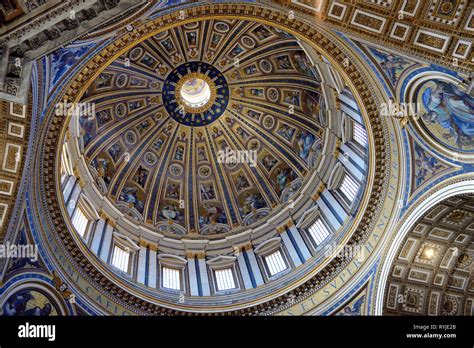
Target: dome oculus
[{"x": 195, "y": 94}]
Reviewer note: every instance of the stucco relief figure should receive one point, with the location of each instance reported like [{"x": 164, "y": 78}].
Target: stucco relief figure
[
  {"x": 269, "y": 162},
  {"x": 241, "y": 182},
  {"x": 87, "y": 126},
  {"x": 141, "y": 177},
  {"x": 284, "y": 177},
  {"x": 172, "y": 191},
  {"x": 286, "y": 132},
  {"x": 305, "y": 65},
  {"x": 115, "y": 151},
  {"x": 252, "y": 201},
  {"x": 102, "y": 166},
  {"x": 452, "y": 111},
  {"x": 262, "y": 33},
  {"x": 207, "y": 192},
  {"x": 283, "y": 62},
  {"x": 213, "y": 214}
]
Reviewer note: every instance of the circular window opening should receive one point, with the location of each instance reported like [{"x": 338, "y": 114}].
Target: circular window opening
[{"x": 195, "y": 92}]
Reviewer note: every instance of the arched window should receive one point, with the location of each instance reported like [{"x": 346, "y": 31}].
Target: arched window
[
  {"x": 171, "y": 278},
  {"x": 83, "y": 216},
  {"x": 121, "y": 258},
  {"x": 273, "y": 258},
  {"x": 80, "y": 222},
  {"x": 359, "y": 134},
  {"x": 223, "y": 271},
  {"x": 349, "y": 188},
  {"x": 275, "y": 263},
  {"x": 318, "y": 231},
  {"x": 224, "y": 279},
  {"x": 172, "y": 270}
]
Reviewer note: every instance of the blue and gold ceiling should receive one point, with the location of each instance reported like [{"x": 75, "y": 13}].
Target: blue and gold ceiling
[
  {"x": 171, "y": 94},
  {"x": 157, "y": 159}
]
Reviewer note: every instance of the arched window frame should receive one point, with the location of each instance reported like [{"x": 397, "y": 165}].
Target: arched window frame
[
  {"x": 175, "y": 263},
  {"x": 268, "y": 248},
  {"x": 223, "y": 263},
  {"x": 85, "y": 207},
  {"x": 123, "y": 242},
  {"x": 335, "y": 182},
  {"x": 354, "y": 135},
  {"x": 308, "y": 220}
]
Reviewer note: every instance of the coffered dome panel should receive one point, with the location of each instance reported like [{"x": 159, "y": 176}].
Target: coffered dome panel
[{"x": 431, "y": 273}]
